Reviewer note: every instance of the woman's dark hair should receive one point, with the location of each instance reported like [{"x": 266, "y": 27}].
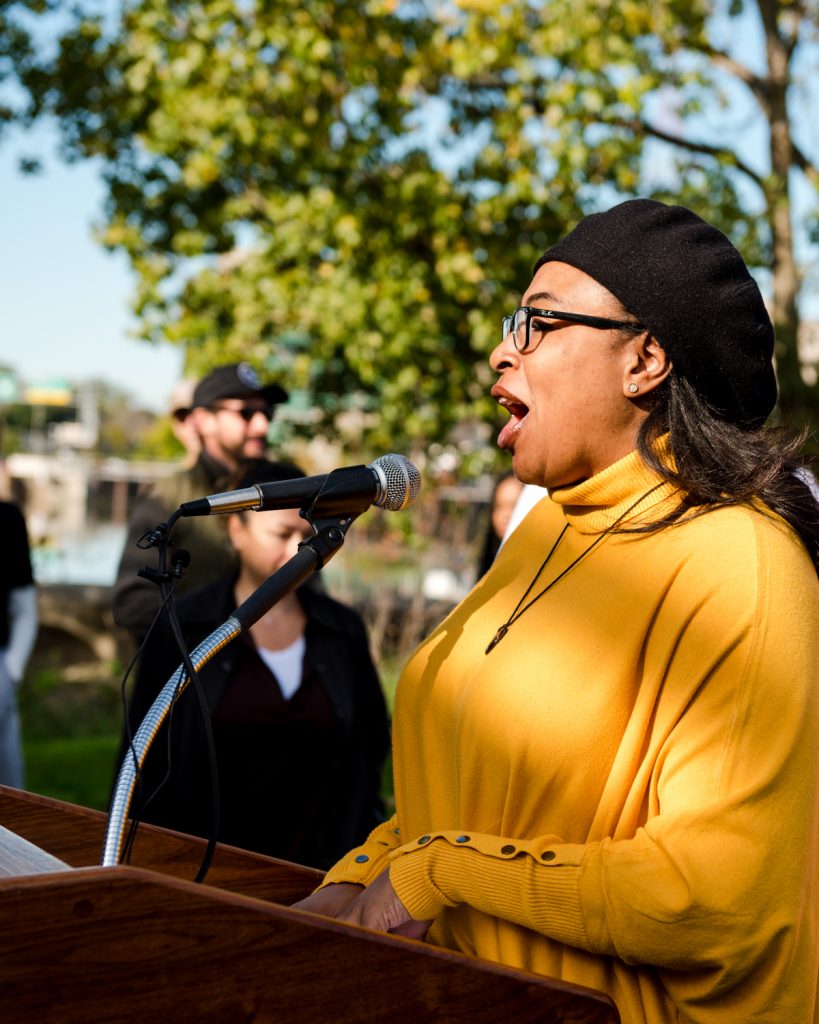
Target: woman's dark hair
[{"x": 716, "y": 463}]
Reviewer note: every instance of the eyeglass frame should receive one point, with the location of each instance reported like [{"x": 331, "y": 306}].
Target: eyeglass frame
[
  {"x": 603, "y": 322},
  {"x": 247, "y": 412}
]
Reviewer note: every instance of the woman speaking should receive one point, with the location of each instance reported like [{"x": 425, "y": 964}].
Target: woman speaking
[{"x": 606, "y": 757}]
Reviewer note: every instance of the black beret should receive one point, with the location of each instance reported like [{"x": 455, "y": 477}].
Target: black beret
[
  {"x": 687, "y": 284},
  {"x": 235, "y": 380}
]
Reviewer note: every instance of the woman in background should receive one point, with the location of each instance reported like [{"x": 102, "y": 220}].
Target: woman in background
[
  {"x": 298, "y": 716},
  {"x": 505, "y": 495}
]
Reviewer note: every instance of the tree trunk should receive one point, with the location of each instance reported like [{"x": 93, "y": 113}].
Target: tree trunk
[{"x": 794, "y": 398}]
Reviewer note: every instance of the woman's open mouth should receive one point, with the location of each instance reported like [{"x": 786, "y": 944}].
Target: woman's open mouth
[{"x": 518, "y": 413}]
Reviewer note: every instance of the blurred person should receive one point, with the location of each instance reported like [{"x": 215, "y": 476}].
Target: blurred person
[
  {"x": 230, "y": 418},
  {"x": 605, "y": 758},
  {"x": 505, "y": 495},
  {"x": 298, "y": 716},
  {"x": 529, "y": 496},
  {"x": 18, "y": 630},
  {"x": 180, "y": 408}
]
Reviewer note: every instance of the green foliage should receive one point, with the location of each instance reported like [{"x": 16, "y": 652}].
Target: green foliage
[
  {"x": 79, "y": 770},
  {"x": 353, "y": 192},
  {"x": 159, "y": 442},
  {"x": 275, "y": 194},
  {"x": 70, "y": 737},
  {"x": 16, "y": 50},
  {"x": 51, "y": 707}
]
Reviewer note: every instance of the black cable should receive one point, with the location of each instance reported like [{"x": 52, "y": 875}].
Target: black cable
[
  {"x": 173, "y": 619},
  {"x": 209, "y": 741},
  {"x": 160, "y": 537}
]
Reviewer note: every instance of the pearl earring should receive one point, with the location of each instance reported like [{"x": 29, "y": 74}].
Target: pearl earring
[{"x": 633, "y": 388}]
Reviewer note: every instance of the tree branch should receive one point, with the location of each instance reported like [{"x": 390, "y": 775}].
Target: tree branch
[
  {"x": 737, "y": 69},
  {"x": 636, "y": 125},
  {"x": 805, "y": 164}
]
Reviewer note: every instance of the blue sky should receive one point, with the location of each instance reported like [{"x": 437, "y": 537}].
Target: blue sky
[{"x": 64, "y": 298}]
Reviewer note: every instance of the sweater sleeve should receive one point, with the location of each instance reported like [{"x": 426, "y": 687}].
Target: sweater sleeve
[
  {"x": 722, "y": 871},
  {"x": 365, "y": 863}
]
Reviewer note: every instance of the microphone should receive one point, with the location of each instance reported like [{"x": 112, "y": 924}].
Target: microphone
[{"x": 390, "y": 482}]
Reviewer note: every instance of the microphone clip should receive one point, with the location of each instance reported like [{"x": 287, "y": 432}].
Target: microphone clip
[
  {"x": 159, "y": 534},
  {"x": 153, "y": 538},
  {"x": 154, "y": 575},
  {"x": 180, "y": 562},
  {"x": 328, "y": 538}
]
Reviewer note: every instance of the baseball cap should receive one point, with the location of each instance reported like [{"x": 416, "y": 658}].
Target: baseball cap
[{"x": 235, "y": 380}]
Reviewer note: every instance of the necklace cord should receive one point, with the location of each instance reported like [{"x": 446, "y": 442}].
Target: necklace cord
[{"x": 518, "y": 610}]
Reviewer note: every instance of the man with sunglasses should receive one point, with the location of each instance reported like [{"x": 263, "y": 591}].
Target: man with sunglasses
[{"x": 231, "y": 414}]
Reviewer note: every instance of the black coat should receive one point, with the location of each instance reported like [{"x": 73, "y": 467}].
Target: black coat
[{"x": 326, "y": 813}]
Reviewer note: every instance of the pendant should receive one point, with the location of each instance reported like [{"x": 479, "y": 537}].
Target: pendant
[{"x": 496, "y": 639}]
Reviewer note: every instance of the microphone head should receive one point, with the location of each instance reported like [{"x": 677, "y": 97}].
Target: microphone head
[{"x": 399, "y": 482}]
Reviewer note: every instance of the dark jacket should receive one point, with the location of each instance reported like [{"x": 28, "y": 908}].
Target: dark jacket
[
  {"x": 15, "y": 565},
  {"x": 329, "y": 812}
]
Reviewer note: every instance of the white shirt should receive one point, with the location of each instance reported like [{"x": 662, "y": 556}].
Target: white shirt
[
  {"x": 286, "y": 665},
  {"x": 529, "y": 496}
]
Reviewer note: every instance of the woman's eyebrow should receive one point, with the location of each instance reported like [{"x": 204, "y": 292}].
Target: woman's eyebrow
[{"x": 539, "y": 296}]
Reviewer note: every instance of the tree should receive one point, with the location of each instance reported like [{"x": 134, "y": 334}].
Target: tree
[
  {"x": 631, "y": 85},
  {"x": 269, "y": 182},
  {"x": 15, "y": 51},
  {"x": 351, "y": 193}
]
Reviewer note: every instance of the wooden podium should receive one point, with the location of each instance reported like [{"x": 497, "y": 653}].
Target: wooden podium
[{"x": 96, "y": 945}]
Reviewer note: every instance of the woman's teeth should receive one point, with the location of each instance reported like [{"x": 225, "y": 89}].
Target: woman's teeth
[{"x": 518, "y": 413}]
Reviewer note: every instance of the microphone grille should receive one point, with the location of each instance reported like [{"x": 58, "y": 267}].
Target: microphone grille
[{"x": 399, "y": 479}]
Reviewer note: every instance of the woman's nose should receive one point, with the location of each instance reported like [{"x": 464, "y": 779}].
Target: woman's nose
[{"x": 504, "y": 354}]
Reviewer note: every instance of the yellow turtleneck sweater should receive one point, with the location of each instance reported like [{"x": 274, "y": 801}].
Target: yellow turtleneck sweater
[{"x": 623, "y": 793}]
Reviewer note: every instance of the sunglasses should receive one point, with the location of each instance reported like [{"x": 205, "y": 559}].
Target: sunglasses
[{"x": 247, "y": 412}]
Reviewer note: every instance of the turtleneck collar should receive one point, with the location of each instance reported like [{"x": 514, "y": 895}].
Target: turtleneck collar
[{"x": 596, "y": 503}]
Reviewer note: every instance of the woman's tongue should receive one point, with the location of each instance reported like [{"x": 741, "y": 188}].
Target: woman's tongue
[{"x": 506, "y": 438}]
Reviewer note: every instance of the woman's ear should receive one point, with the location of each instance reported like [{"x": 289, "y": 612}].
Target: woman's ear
[
  {"x": 647, "y": 365},
  {"x": 236, "y": 531}
]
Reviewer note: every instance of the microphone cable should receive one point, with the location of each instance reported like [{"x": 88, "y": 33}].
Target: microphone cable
[{"x": 161, "y": 539}]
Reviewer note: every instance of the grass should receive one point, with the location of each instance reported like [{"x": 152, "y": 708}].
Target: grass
[
  {"x": 70, "y": 737},
  {"x": 79, "y": 769}
]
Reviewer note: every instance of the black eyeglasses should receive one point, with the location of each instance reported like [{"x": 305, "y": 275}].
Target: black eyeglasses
[
  {"x": 530, "y": 325},
  {"x": 247, "y": 412}
]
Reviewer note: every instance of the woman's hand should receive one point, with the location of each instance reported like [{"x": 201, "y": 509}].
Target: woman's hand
[
  {"x": 332, "y": 900},
  {"x": 379, "y": 907}
]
